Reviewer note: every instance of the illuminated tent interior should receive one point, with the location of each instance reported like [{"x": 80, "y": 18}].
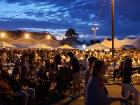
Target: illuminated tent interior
[
  {"x": 6, "y": 45},
  {"x": 40, "y": 46},
  {"x": 65, "y": 47},
  {"x": 97, "y": 46},
  {"x": 120, "y": 43}
]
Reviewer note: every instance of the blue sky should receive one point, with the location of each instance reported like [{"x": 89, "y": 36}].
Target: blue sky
[{"x": 56, "y": 16}]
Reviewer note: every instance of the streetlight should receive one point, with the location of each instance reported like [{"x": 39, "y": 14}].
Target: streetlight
[
  {"x": 84, "y": 46},
  {"x": 113, "y": 30},
  {"x": 94, "y": 29}
]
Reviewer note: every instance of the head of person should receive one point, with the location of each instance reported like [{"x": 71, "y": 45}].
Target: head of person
[
  {"x": 91, "y": 60},
  {"x": 128, "y": 63},
  {"x": 70, "y": 54},
  {"x": 99, "y": 68},
  {"x": 86, "y": 55}
]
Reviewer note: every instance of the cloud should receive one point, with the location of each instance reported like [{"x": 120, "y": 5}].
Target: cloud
[{"x": 78, "y": 14}]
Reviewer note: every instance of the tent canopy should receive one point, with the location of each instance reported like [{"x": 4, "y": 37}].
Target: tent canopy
[
  {"x": 106, "y": 43},
  {"x": 128, "y": 46},
  {"x": 6, "y": 45},
  {"x": 126, "y": 43},
  {"x": 26, "y": 41},
  {"x": 97, "y": 46},
  {"x": 7, "y": 40},
  {"x": 40, "y": 46},
  {"x": 65, "y": 47},
  {"x": 50, "y": 42},
  {"x": 136, "y": 42}
]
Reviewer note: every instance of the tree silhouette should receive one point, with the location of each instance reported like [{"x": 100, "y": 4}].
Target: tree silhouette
[{"x": 71, "y": 34}]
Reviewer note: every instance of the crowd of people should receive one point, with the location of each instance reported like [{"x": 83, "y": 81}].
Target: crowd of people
[{"x": 28, "y": 75}]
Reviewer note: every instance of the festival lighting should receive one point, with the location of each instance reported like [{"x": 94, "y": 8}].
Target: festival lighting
[
  {"x": 27, "y": 36},
  {"x": 84, "y": 46},
  {"x": 3, "y": 35},
  {"x": 48, "y": 37},
  {"x": 94, "y": 29}
]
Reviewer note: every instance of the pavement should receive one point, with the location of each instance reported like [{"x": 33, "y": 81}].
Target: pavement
[{"x": 114, "y": 91}]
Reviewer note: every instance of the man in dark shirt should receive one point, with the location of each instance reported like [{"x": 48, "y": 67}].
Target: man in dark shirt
[{"x": 74, "y": 63}]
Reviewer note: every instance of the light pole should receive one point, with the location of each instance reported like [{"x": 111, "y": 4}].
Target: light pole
[
  {"x": 113, "y": 30},
  {"x": 94, "y": 31}
]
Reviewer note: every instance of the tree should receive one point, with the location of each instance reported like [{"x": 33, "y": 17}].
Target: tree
[{"x": 71, "y": 34}]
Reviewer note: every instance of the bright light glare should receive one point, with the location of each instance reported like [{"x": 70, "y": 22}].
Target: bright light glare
[
  {"x": 48, "y": 37},
  {"x": 95, "y": 28},
  {"x": 2, "y": 35},
  {"x": 84, "y": 46},
  {"x": 27, "y": 36}
]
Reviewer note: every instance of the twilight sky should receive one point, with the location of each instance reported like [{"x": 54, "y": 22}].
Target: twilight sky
[{"x": 56, "y": 16}]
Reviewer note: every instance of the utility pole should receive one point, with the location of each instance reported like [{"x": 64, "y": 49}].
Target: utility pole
[{"x": 113, "y": 30}]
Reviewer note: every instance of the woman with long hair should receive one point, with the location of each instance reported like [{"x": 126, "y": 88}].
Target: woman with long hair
[{"x": 96, "y": 93}]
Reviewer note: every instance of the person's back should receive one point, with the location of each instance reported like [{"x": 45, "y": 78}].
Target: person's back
[
  {"x": 96, "y": 92},
  {"x": 126, "y": 81},
  {"x": 126, "y": 78},
  {"x": 75, "y": 64}
]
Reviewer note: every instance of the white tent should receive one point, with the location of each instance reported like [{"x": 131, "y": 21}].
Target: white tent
[
  {"x": 41, "y": 46},
  {"x": 128, "y": 46},
  {"x": 6, "y": 45},
  {"x": 117, "y": 43},
  {"x": 97, "y": 46},
  {"x": 127, "y": 41},
  {"x": 136, "y": 42},
  {"x": 24, "y": 42},
  {"x": 133, "y": 42},
  {"x": 50, "y": 42},
  {"x": 106, "y": 43},
  {"x": 65, "y": 47},
  {"x": 7, "y": 40}
]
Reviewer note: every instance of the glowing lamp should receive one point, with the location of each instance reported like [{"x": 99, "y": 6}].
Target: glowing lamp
[
  {"x": 48, "y": 37},
  {"x": 27, "y": 36},
  {"x": 2, "y": 35}
]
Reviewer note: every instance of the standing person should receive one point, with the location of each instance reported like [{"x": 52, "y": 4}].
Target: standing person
[
  {"x": 74, "y": 63},
  {"x": 84, "y": 62},
  {"x": 91, "y": 61},
  {"x": 126, "y": 81},
  {"x": 57, "y": 61},
  {"x": 96, "y": 93}
]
